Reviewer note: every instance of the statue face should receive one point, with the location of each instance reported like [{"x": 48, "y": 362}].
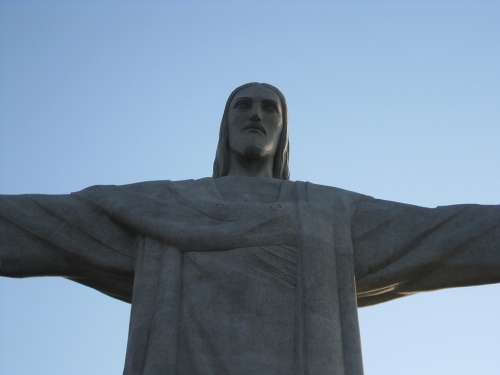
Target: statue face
[{"x": 255, "y": 122}]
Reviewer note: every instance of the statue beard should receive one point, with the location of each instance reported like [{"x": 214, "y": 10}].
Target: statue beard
[
  {"x": 253, "y": 153},
  {"x": 252, "y": 158}
]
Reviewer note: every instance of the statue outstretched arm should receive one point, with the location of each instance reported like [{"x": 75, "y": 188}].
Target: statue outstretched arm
[
  {"x": 401, "y": 249},
  {"x": 62, "y": 235}
]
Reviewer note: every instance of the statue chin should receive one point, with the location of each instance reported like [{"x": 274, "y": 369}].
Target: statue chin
[{"x": 253, "y": 152}]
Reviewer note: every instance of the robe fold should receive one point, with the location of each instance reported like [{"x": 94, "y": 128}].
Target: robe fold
[{"x": 246, "y": 287}]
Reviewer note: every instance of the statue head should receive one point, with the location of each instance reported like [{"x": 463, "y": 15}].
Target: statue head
[{"x": 254, "y": 126}]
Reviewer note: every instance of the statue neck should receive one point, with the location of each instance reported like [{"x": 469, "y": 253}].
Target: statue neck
[{"x": 239, "y": 166}]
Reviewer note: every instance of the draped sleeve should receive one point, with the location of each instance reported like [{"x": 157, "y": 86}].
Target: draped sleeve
[
  {"x": 63, "y": 235},
  {"x": 400, "y": 249}
]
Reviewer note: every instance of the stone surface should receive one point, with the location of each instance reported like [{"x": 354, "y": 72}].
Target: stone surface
[{"x": 246, "y": 272}]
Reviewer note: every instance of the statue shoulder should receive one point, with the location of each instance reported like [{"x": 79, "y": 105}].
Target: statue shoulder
[
  {"x": 334, "y": 195},
  {"x": 152, "y": 189}
]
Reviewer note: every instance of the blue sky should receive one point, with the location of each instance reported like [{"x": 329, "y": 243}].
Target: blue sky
[{"x": 399, "y": 100}]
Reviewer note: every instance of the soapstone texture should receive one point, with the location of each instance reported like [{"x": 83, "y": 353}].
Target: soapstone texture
[
  {"x": 246, "y": 272},
  {"x": 244, "y": 287}
]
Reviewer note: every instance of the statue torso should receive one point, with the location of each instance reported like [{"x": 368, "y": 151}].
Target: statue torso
[{"x": 238, "y": 309}]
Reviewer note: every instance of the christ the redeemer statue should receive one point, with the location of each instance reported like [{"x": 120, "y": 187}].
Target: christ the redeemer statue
[{"x": 246, "y": 272}]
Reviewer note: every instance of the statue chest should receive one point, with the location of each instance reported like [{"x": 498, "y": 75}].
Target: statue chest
[{"x": 269, "y": 292}]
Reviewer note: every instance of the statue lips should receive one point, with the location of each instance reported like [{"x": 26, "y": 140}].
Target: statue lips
[{"x": 256, "y": 127}]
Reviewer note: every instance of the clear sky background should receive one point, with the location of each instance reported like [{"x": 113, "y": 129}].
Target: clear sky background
[{"x": 399, "y": 100}]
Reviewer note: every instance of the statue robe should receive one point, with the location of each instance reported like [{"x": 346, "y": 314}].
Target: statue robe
[{"x": 247, "y": 287}]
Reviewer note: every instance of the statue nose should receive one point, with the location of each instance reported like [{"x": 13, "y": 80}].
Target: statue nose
[{"x": 255, "y": 117}]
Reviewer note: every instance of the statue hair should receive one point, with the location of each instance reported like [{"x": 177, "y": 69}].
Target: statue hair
[{"x": 280, "y": 166}]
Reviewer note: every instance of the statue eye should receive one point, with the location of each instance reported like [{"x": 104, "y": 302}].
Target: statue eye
[
  {"x": 243, "y": 104},
  {"x": 270, "y": 107}
]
